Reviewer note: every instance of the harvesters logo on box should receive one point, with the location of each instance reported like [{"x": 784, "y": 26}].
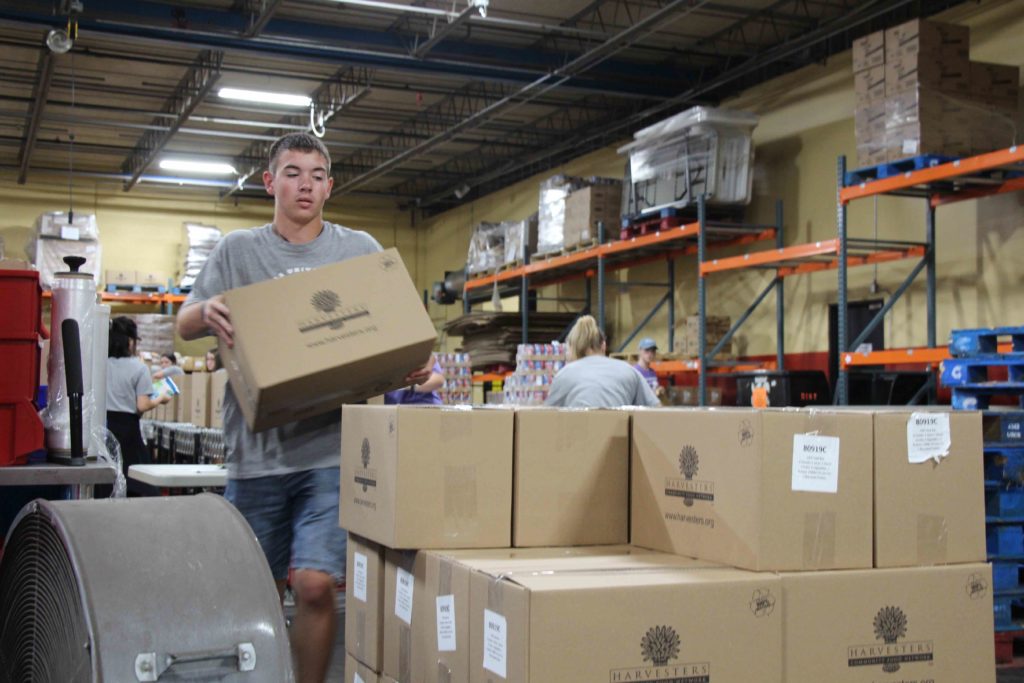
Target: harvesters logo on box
[
  {"x": 890, "y": 625},
  {"x": 365, "y": 477},
  {"x": 686, "y": 487},
  {"x": 329, "y": 312},
  {"x": 387, "y": 262},
  {"x": 977, "y": 587},
  {"x": 762, "y": 603},
  {"x": 658, "y": 648}
]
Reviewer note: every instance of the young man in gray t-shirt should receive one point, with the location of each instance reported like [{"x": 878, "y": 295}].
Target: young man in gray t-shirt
[{"x": 285, "y": 480}]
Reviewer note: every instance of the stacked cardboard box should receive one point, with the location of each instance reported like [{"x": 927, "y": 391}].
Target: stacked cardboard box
[
  {"x": 586, "y": 208},
  {"x": 715, "y": 328},
  {"x": 917, "y": 92},
  {"x": 763, "y": 525}
]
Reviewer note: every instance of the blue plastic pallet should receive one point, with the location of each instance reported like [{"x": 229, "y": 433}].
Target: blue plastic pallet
[
  {"x": 959, "y": 372},
  {"x": 892, "y": 168},
  {"x": 1003, "y": 466},
  {"x": 1008, "y": 612},
  {"x": 979, "y": 396},
  {"x": 1006, "y": 578},
  {"x": 1004, "y": 502},
  {"x": 976, "y": 342},
  {"x": 1003, "y": 429}
]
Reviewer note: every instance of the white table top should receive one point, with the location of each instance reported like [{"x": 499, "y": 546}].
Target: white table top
[{"x": 180, "y": 476}]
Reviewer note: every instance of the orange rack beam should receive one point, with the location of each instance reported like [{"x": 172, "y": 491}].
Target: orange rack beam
[
  {"x": 949, "y": 171},
  {"x": 135, "y": 298},
  {"x": 490, "y": 377},
  {"x": 669, "y": 367},
  {"x": 922, "y": 355},
  {"x": 787, "y": 260},
  {"x": 618, "y": 248}
]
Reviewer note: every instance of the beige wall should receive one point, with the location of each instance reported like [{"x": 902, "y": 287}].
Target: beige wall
[{"x": 806, "y": 124}]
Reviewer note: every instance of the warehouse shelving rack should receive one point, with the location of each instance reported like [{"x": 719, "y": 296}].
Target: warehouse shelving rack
[
  {"x": 592, "y": 264},
  {"x": 786, "y": 261},
  {"x": 166, "y": 300},
  {"x": 973, "y": 177}
]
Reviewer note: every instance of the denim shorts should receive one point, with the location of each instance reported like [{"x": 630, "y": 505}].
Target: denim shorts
[{"x": 295, "y": 519}]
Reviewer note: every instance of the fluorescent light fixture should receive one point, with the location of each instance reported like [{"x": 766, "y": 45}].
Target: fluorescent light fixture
[
  {"x": 263, "y": 97},
  {"x": 210, "y": 167}
]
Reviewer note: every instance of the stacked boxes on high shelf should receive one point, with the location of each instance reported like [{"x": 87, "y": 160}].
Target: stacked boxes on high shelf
[
  {"x": 458, "y": 378},
  {"x": 536, "y": 367},
  {"x": 918, "y": 93},
  {"x": 474, "y": 539},
  {"x": 971, "y": 374},
  {"x": 716, "y": 327}
]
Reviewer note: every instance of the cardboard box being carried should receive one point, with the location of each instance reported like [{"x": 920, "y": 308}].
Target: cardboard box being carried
[
  {"x": 758, "y": 489},
  {"x": 427, "y": 477},
  {"x": 929, "y": 512},
  {"x": 625, "y": 625},
  {"x": 571, "y": 482},
  {"x": 889, "y": 625},
  {"x": 307, "y": 343},
  {"x": 218, "y": 384},
  {"x": 364, "y": 602}
]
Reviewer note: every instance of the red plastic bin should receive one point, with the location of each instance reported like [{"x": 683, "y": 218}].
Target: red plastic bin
[
  {"x": 21, "y": 432},
  {"x": 21, "y": 297},
  {"x": 19, "y": 370}
]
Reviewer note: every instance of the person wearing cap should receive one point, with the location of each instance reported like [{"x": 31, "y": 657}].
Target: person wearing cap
[
  {"x": 648, "y": 353},
  {"x": 593, "y": 380}
]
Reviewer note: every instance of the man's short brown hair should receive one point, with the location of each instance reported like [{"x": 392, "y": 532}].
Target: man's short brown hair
[{"x": 303, "y": 142}]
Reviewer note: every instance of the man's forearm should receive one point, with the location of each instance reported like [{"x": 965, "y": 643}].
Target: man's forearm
[{"x": 190, "y": 322}]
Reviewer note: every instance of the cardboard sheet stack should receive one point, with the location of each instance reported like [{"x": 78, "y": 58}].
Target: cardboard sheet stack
[
  {"x": 491, "y": 338},
  {"x": 917, "y": 92},
  {"x": 491, "y": 545},
  {"x": 59, "y": 235}
]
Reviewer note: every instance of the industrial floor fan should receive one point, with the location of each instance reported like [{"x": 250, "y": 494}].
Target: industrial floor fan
[{"x": 135, "y": 590}]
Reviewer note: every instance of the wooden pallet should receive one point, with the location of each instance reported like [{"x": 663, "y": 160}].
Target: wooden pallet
[{"x": 565, "y": 251}]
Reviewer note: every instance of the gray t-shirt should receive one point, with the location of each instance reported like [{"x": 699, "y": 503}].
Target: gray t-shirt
[
  {"x": 600, "y": 382},
  {"x": 245, "y": 257},
  {"x": 127, "y": 379}
]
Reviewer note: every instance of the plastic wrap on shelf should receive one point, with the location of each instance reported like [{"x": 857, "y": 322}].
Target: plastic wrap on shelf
[
  {"x": 486, "y": 247},
  {"x": 536, "y": 367},
  {"x": 82, "y": 226},
  {"x": 48, "y": 254},
  {"x": 551, "y": 211},
  {"x": 199, "y": 241},
  {"x": 518, "y": 233},
  {"x": 156, "y": 333},
  {"x": 701, "y": 151}
]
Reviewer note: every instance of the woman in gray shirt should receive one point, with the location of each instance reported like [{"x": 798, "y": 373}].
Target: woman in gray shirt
[
  {"x": 591, "y": 379},
  {"x": 129, "y": 389}
]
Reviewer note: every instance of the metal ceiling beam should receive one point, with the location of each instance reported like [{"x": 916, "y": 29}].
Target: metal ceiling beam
[
  {"x": 222, "y": 30},
  {"x": 440, "y": 33},
  {"x": 44, "y": 73},
  {"x": 489, "y": 109},
  {"x": 188, "y": 94},
  {"x": 864, "y": 13},
  {"x": 260, "y": 12},
  {"x": 342, "y": 90}
]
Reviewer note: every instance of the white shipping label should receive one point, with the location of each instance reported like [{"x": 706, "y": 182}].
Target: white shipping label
[
  {"x": 495, "y": 643},
  {"x": 815, "y": 463},
  {"x": 356, "y": 678},
  {"x": 403, "y": 596},
  {"x": 927, "y": 437},
  {"x": 359, "y": 583},
  {"x": 446, "y": 623},
  {"x": 68, "y": 232}
]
